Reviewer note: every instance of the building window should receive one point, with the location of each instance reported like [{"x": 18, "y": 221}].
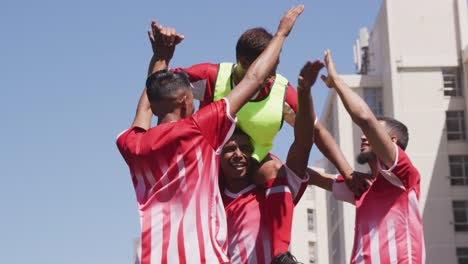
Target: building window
[
  {"x": 460, "y": 215},
  {"x": 452, "y": 81},
  {"x": 458, "y": 169},
  {"x": 455, "y": 121},
  {"x": 310, "y": 219},
  {"x": 373, "y": 98},
  {"x": 462, "y": 255},
  {"x": 312, "y": 258}
]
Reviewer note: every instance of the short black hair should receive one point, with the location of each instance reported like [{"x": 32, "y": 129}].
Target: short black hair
[
  {"x": 252, "y": 43},
  {"x": 398, "y": 129},
  {"x": 240, "y": 132},
  {"x": 163, "y": 84}
]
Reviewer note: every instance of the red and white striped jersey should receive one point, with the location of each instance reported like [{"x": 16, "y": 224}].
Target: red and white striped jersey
[
  {"x": 248, "y": 235},
  {"x": 388, "y": 226},
  {"x": 174, "y": 168}
]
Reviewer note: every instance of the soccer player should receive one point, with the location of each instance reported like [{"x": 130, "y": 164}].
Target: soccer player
[
  {"x": 262, "y": 117},
  {"x": 174, "y": 165},
  {"x": 388, "y": 225},
  {"x": 248, "y": 235}
]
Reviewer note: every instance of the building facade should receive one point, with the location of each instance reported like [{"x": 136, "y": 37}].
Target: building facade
[{"x": 413, "y": 66}]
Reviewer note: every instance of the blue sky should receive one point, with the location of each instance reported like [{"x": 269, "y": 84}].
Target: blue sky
[{"x": 71, "y": 73}]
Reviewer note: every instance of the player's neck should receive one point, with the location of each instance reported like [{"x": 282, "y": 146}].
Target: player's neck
[
  {"x": 373, "y": 166},
  {"x": 169, "y": 118},
  {"x": 237, "y": 185},
  {"x": 237, "y": 75}
]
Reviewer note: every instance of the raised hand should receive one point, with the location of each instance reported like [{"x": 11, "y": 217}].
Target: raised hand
[
  {"x": 288, "y": 20},
  {"x": 163, "y": 40},
  {"x": 309, "y": 74},
  {"x": 332, "y": 74},
  {"x": 359, "y": 183}
]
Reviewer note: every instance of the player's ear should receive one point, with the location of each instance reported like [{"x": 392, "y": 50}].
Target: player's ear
[
  {"x": 182, "y": 102},
  {"x": 244, "y": 63},
  {"x": 394, "y": 139}
]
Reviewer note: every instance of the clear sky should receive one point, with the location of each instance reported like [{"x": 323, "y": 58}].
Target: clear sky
[{"x": 71, "y": 73}]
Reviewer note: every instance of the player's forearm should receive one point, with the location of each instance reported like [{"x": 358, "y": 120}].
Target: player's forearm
[
  {"x": 304, "y": 122},
  {"x": 157, "y": 64},
  {"x": 357, "y": 108},
  {"x": 330, "y": 149},
  {"x": 322, "y": 180}
]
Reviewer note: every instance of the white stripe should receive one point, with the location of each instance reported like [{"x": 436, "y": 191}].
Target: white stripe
[
  {"x": 206, "y": 220},
  {"x": 181, "y": 166},
  {"x": 396, "y": 157},
  {"x": 228, "y": 110},
  {"x": 266, "y": 244},
  {"x": 140, "y": 186},
  {"x": 235, "y": 195},
  {"x": 164, "y": 178},
  {"x": 176, "y": 213},
  {"x": 156, "y": 233},
  {"x": 392, "y": 249},
  {"x": 173, "y": 248},
  {"x": 408, "y": 240},
  {"x": 250, "y": 249},
  {"x": 415, "y": 219},
  {"x": 389, "y": 175},
  {"x": 278, "y": 189},
  {"x": 163, "y": 166},
  {"x": 150, "y": 178},
  {"x": 374, "y": 243},
  {"x": 138, "y": 254},
  {"x": 359, "y": 258},
  {"x": 235, "y": 254},
  {"x": 218, "y": 213},
  {"x": 192, "y": 248}
]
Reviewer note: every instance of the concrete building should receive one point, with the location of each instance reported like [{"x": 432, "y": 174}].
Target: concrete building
[
  {"x": 413, "y": 65},
  {"x": 308, "y": 234}
]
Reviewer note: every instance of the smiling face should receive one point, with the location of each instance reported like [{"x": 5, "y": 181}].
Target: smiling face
[{"x": 235, "y": 158}]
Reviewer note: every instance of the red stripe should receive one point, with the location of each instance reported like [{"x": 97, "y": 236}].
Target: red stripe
[
  {"x": 366, "y": 243},
  {"x": 166, "y": 232},
  {"x": 180, "y": 242},
  {"x": 146, "y": 239},
  {"x": 259, "y": 246}
]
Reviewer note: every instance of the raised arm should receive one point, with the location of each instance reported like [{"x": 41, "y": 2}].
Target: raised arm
[
  {"x": 357, "y": 182},
  {"x": 321, "y": 179},
  {"x": 163, "y": 41},
  {"x": 298, "y": 155},
  {"x": 264, "y": 64},
  {"x": 361, "y": 114}
]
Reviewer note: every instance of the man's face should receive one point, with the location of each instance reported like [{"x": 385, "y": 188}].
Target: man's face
[
  {"x": 365, "y": 147},
  {"x": 246, "y": 65},
  {"x": 235, "y": 157},
  {"x": 367, "y": 152}
]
